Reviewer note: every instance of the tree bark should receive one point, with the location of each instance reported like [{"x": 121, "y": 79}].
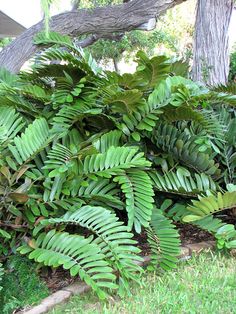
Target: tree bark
[
  {"x": 211, "y": 42},
  {"x": 115, "y": 63},
  {"x": 100, "y": 21}
]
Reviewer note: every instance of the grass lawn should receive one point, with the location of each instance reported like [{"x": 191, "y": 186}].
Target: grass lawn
[{"x": 204, "y": 285}]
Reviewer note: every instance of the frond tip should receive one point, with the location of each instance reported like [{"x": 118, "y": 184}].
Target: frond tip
[
  {"x": 209, "y": 205},
  {"x": 137, "y": 187},
  {"x": 164, "y": 241}
]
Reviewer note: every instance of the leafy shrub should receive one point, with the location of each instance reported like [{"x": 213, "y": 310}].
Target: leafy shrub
[
  {"x": 21, "y": 285},
  {"x": 232, "y": 71},
  {"x": 87, "y": 158}
]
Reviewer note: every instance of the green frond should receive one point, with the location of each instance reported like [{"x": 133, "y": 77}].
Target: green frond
[
  {"x": 164, "y": 241},
  {"x": 228, "y": 160},
  {"x": 231, "y": 132},
  {"x": 31, "y": 142},
  {"x": 152, "y": 70},
  {"x": 80, "y": 255},
  {"x": 176, "y": 212},
  {"x": 162, "y": 94},
  {"x": 112, "y": 162},
  {"x": 101, "y": 192},
  {"x": 11, "y": 123},
  {"x": 179, "y": 68},
  {"x": 209, "y": 205},
  {"x": 58, "y": 156},
  {"x": 53, "y": 38},
  {"x": 62, "y": 94},
  {"x": 82, "y": 59},
  {"x": 183, "y": 148},
  {"x": 35, "y": 92},
  {"x": 52, "y": 54},
  {"x": 229, "y": 99},
  {"x": 45, "y": 74},
  {"x": 46, "y": 206},
  {"x": 207, "y": 120},
  {"x": 126, "y": 101},
  {"x": 68, "y": 115},
  {"x": 230, "y": 88},
  {"x": 107, "y": 140},
  {"x": 182, "y": 182},
  {"x": 8, "y": 78},
  {"x": 137, "y": 187},
  {"x": 112, "y": 237},
  {"x": 143, "y": 118},
  {"x": 209, "y": 223},
  {"x": 173, "y": 114}
]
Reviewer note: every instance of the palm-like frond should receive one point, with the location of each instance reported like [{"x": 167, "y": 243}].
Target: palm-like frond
[
  {"x": 101, "y": 192},
  {"x": 209, "y": 205},
  {"x": 36, "y": 92},
  {"x": 53, "y": 38},
  {"x": 112, "y": 162},
  {"x": 183, "y": 149},
  {"x": 137, "y": 187},
  {"x": 152, "y": 70},
  {"x": 11, "y": 123},
  {"x": 78, "y": 254},
  {"x": 86, "y": 60},
  {"x": 206, "y": 120},
  {"x": 68, "y": 115},
  {"x": 230, "y": 88},
  {"x": 178, "y": 212},
  {"x": 143, "y": 118},
  {"x": 182, "y": 182},
  {"x": 112, "y": 237},
  {"x": 31, "y": 142},
  {"x": 164, "y": 241},
  {"x": 107, "y": 140},
  {"x": 124, "y": 102}
]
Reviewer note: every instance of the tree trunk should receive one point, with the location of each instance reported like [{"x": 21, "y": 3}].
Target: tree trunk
[
  {"x": 211, "y": 42},
  {"x": 101, "y": 21},
  {"x": 115, "y": 63}
]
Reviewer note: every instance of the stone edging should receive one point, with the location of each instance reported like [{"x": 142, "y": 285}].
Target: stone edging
[{"x": 64, "y": 294}]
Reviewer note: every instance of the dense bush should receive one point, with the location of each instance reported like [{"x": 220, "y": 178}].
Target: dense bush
[
  {"x": 232, "y": 71},
  {"x": 88, "y": 157},
  {"x": 21, "y": 285}
]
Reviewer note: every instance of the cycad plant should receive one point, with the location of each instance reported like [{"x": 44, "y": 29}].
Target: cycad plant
[{"x": 89, "y": 157}]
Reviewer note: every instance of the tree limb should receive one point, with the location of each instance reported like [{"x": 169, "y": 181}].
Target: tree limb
[
  {"x": 88, "y": 41},
  {"x": 101, "y": 21}
]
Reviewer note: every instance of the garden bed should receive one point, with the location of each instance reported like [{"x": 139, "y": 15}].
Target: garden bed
[
  {"x": 79, "y": 287},
  {"x": 57, "y": 279}
]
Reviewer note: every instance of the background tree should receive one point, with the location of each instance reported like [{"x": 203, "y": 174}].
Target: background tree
[
  {"x": 211, "y": 54},
  {"x": 211, "y": 43},
  {"x": 101, "y": 22},
  {"x": 172, "y": 37}
]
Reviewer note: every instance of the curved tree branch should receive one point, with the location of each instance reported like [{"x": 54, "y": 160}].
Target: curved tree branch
[
  {"x": 88, "y": 41},
  {"x": 100, "y": 21}
]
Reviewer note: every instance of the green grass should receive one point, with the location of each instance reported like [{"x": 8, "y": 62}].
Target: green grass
[
  {"x": 205, "y": 284},
  {"x": 21, "y": 285}
]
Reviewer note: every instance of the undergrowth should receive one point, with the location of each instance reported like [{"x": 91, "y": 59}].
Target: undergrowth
[{"x": 21, "y": 285}]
